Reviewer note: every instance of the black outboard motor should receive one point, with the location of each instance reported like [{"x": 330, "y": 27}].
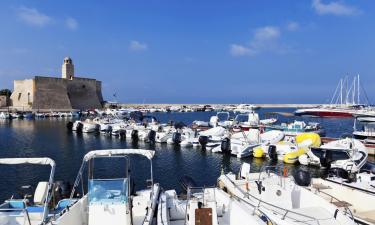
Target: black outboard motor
[
  {"x": 203, "y": 140},
  {"x": 134, "y": 135},
  {"x": 225, "y": 145},
  {"x": 338, "y": 172},
  {"x": 62, "y": 189},
  {"x": 151, "y": 136},
  {"x": 176, "y": 138},
  {"x": 187, "y": 182},
  {"x": 69, "y": 125},
  {"x": 122, "y": 134},
  {"x": 326, "y": 159},
  {"x": 302, "y": 178},
  {"x": 109, "y": 131},
  {"x": 79, "y": 128},
  {"x": 272, "y": 153}
]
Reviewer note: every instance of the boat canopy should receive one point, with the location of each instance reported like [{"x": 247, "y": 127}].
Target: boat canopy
[
  {"x": 114, "y": 152},
  {"x": 35, "y": 161}
]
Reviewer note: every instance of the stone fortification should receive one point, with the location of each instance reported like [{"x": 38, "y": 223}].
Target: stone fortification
[{"x": 68, "y": 92}]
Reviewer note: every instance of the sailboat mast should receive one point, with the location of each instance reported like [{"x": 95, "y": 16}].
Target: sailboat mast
[
  {"x": 358, "y": 91},
  {"x": 341, "y": 91},
  {"x": 354, "y": 90}
]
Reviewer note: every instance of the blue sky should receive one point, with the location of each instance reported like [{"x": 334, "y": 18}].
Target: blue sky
[{"x": 194, "y": 51}]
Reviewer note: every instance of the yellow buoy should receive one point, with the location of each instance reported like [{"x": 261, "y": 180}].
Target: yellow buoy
[
  {"x": 292, "y": 157},
  {"x": 258, "y": 152},
  {"x": 309, "y": 139}
]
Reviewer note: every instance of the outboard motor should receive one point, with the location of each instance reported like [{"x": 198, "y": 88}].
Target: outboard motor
[
  {"x": 203, "y": 140},
  {"x": 326, "y": 159},
  {"x": 272, "y": 153},
  {"x": 69, "y": 125},
  {"x": 187, "y": 182},
  {"x": 176, "y": 138},
  {"x": 302, "y": 178},
  {"x": 134, "y": 135},
  {"x": 122, "y": 134},
  {"x": 79, "y": 128},
  {"x": 62, "y": 189},
  {"x": 109, "y": 131},
  {"x": 151, "y": 136},
  {"x": 225, "y": 145}
]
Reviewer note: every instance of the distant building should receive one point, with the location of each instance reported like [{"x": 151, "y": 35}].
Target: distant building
[
  {"x": 68, "y": 92},
  {"x": 4, "y": 101}
]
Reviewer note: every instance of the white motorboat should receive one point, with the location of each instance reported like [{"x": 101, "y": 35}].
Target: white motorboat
[
  {"x": 367, "y": 132},
  {"x": 245, "y": 108},
  {"x": 110, "y": 201},
  {"x": 283, "y": 199},
  {"x": 348, "y": 154},
  {"x": 206, "y": 206},
  {"x": 88, "y": 126},
  {"x": 17, "y": 211},
  {"x": 356, "y": 192},
  {"x": 298, "y": 127},
  {"x": 5, "y": 115},
  {"x": 243, "y": 143}
]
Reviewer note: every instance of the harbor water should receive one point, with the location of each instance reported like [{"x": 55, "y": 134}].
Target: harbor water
[{"x": 50, "y": 138}]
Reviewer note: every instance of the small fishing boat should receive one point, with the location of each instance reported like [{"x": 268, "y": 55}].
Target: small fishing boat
[
  {"x": 284, "y": 199},
  {"x": 208, "y": 205},
  {"x": 111, "y": 201},
  {"x": 298, "y": 127},
  {"x": 34, "y": 209}
]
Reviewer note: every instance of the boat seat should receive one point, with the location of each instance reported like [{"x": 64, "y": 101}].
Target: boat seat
[
  {"x": 40, "y": 193},
  {"x": 16, "y": 204}
]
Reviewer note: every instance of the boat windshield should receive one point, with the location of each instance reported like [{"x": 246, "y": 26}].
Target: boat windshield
[
  {"x": 242, "y": 118},
  {"x": 108, "y": 191}
]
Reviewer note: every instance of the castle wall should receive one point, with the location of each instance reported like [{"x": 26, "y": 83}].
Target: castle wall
[
  {"x": 51, "y": 93},
  {"x": 84, "y": 93},
  {"x": 23, "y": 93},
  {"x": 3, "y": 101}
]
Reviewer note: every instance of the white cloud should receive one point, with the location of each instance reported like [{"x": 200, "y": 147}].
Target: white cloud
[
  {"x": 334, "y": 8},
  {"x": 265, "y": 39},
  {"x": 71, "y": 23},
  {"x": 137, "y": 46},
  {"x": 292, "y": 26},
  {"x": 240, "y": 50},
  {"x": 266, "y": 33},
  {"x": 33, "y": 17}
]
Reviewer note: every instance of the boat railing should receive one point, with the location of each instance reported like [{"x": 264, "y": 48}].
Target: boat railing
[
  {"x": 333, "y": 198},
  {"x": 257, "y": 206},
  {"x": 24, "y": 211}
]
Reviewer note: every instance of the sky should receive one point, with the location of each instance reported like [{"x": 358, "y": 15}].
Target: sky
[{"x": 194, "y": 51}]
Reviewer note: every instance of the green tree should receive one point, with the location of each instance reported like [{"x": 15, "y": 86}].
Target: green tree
[{"x": 5, "y": 92}]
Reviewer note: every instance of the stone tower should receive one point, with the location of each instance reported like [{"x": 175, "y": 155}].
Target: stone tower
[{"x": 67, "y": 69}]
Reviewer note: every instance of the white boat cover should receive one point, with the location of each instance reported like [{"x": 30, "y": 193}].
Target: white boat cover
[
  {"x": 109, "y": 152},
  {"x": 216, "y": 131},
  {"x": 36, "y": 161}
]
